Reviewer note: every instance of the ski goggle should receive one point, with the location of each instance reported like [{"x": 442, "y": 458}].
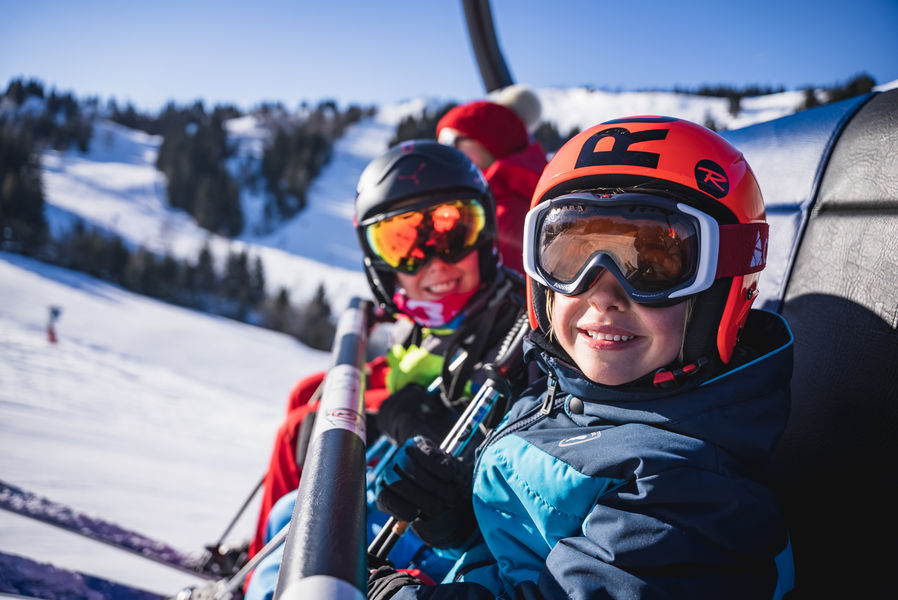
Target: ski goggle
[
  {"x": 658, "y": 249},
  {"x": 406, "y": 239}
]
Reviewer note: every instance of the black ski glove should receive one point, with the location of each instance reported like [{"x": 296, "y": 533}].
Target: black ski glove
[
  {"x": 385, "y": 581},
  {"x": 430, "y": 488},
  {"x": 413, "y": 411}
]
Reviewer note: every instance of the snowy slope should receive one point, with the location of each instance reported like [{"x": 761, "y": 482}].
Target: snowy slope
[
  {"x": 116, "y": 187},
  {"x": 161, "y": 418},
  {"x": 152, "y": 416}
]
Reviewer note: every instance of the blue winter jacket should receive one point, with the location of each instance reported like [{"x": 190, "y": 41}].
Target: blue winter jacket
[{"x": 634, "y": 494}]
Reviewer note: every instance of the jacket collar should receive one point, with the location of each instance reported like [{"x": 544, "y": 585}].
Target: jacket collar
[{"x": 740, "y": 409}]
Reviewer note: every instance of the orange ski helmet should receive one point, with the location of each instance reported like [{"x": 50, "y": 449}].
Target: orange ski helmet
[{"x": 691, "y": 164}]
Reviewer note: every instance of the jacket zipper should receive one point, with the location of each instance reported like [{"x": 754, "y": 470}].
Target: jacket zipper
[
  {"x": 534, "y": 415},
  {"x": 548, "y": 403}
]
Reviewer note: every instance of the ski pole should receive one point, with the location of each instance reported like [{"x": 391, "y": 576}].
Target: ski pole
[
  {"x": 383, "y": 448},
  {"x": 226, "y": 590},
  {"x": 216, "y": 548},
  {"x": 453, "y": 444},
  {"x": 324, "y": 553},
  {"x": 381, "y": 451},
  {"x": 463, "y": 431}
]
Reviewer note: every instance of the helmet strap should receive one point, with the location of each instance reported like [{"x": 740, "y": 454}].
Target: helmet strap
[
  {"x": 700, "y": 339},
  {"x": 668, "y": 378},
  {"x": 483, "y": 315}
]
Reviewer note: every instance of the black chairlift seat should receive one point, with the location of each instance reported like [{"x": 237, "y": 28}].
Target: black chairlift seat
[{"x": 834, "y": 253}]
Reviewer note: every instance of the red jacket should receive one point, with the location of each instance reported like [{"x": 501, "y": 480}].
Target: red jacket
[
  {"x": 513, "y": 180},
  {"x": 283, "y": 473}
]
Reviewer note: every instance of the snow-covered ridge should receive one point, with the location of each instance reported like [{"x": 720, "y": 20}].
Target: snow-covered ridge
[{"x": 116, "y": 187}]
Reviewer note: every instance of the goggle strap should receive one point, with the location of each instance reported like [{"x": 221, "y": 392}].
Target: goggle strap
[{"x": 743, "y": 249}]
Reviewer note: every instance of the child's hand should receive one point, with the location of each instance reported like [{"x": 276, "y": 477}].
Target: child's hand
[
  {"x": 413, "y": 411},
  {"x": 385, "y": 581},
  {"x": 430, "y": 488}
]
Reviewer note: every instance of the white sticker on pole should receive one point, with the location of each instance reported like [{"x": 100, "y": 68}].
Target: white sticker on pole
[
  {"x": 321, "y": 586},
  {"x": 342, "y": 401}
]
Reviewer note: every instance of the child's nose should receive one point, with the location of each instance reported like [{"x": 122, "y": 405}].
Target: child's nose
[
  {"x": 606, "y": 293},
  {"x": 436, "y": 265}
]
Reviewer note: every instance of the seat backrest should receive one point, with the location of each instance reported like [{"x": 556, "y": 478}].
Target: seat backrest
[
  {"x": 835, "y": 465},
  {"x": 787, "y": 156}
]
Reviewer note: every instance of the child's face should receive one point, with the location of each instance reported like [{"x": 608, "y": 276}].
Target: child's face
[
  {"x": 642, "y": 339},
  {"x": 437, "y": 279},
  {"x": 477, "y": 152}
]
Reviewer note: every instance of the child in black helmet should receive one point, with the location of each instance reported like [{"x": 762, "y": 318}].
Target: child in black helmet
[
  {"x": 426, "y": 224},
  {"x": 631, "y": 470}
]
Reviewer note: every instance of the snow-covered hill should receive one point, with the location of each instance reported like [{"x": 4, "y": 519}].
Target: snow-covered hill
[
  {"x": 116, "y": 186},
  {"x": 153, "y": 416},
  {"x": 161, "y": 418}
]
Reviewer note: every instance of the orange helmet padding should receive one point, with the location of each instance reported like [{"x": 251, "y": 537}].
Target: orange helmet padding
[{"x": 694, "y": 162}]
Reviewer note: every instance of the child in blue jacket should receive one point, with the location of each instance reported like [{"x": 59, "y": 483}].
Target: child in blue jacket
[{"x": 632, "y": 468}]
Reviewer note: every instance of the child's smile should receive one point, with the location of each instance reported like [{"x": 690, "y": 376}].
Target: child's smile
[
  {"x": 437, "y": 279},
  {"x": 444, "y": 287},
  {"x": 607, "y": 338},
  {"x": 612, "y": 339}
]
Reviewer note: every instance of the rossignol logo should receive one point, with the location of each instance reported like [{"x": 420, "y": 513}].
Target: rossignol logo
[
  {"x": 620, "y": 153},
  {"x": 711, "y": 178},
  {"x": 579, "y": 439}
]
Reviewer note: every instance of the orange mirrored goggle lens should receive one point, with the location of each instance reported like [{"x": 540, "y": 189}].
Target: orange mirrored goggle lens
[{"x": 406, "y": 241}]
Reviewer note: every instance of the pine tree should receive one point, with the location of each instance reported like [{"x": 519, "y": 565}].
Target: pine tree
[
  {"x": 117, "y": 260},
  {"x": 235, "y": 283},
  {"x": 169, "y": 271},
  {"x": 857, "y": 85},
  {"x": 317, "y": 330},
  {"x": 22, "y": 224},
  {"x": 422, "y": 127},
  {"x": 205, "y": 278},
  {"x": 141, "y": 274},
  {"x": 193, "y": 157},
  {"x": 278, "y": 313},
  {"x": 257, "y": 282},
  {"x": 810, "y": 99},
  {"x": 548, "y": 137}
]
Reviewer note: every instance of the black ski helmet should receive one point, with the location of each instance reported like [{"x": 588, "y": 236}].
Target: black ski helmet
[{"x": 413, "y": 171}]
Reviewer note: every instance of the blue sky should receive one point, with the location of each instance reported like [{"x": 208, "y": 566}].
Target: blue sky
[{"x": 379, "y": 51}]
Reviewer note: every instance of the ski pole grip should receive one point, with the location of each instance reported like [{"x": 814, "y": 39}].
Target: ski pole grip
[
  {"x": 324, "y": 554},
  {"x": 474, "y": 415}
]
